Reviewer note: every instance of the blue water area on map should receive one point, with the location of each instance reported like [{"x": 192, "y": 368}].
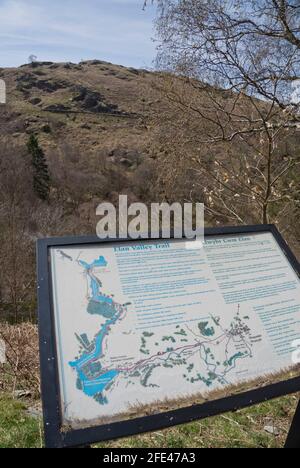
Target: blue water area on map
[
  {"x": 88, "y": 366},
  {"x": 100, "y": 304},
  {"x": 99, "y": 262},
  {"x": 97, "y": 352},
  {"x": 92, "y": 387},
  {"x": 96, "y": 293}
]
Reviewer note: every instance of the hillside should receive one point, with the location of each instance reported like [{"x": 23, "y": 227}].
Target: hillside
[
  {"x": 107, "y": 130},
  {"x": 73, "y": 97},
  {"x": 90, "y": 121},
  {"x": 94, "y": 107}
]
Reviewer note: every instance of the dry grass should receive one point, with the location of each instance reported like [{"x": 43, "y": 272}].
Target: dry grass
[{"x": 21, "y": 372}]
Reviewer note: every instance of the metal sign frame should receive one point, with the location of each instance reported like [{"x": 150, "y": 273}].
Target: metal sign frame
[{"x": 55, "y": 437}]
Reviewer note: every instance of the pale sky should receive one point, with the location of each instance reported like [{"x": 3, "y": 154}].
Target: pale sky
[{"x": 117, "y": 31}]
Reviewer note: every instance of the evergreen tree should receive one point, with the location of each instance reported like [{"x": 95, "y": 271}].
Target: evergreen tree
[{"x": 41, "y": 178}]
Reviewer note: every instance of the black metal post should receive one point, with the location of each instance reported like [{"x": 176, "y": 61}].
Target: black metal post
[{"x": 293, "y": 438}]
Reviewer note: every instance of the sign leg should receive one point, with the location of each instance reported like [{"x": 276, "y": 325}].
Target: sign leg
[{"x": 293, "y": 438}]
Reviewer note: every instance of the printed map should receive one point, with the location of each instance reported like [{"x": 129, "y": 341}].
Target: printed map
[
  {"x": 139, "y": 325},
  {"x": 206, "y": 354}
]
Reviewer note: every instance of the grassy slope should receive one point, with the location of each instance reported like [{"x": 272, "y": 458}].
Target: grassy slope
[
  {"x": 117, "y": 84},
  {"x": 241, "y": 429}
]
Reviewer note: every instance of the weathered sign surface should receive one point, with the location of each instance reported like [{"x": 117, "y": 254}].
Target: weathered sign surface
[{"x": 149, "y": 326}]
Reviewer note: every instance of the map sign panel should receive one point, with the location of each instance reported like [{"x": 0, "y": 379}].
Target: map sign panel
[{"x": 147, "y": 326}]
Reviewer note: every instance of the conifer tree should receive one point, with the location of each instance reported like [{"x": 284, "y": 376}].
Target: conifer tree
[{"x": 41, "y": 178}]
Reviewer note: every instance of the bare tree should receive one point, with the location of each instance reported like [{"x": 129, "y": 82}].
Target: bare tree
[
  {"x": 16, "y": 247},
  {"x": 235, "y": 66},
  {"x": 244, "y": 46}
]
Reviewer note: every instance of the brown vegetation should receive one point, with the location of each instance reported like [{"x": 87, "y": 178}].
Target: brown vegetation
[
  {"x": 21, "y": 371},
  {"x": 231, "y": 119}
]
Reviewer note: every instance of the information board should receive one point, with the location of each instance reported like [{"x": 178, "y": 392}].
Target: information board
[{"x": 145, "y": 329}]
